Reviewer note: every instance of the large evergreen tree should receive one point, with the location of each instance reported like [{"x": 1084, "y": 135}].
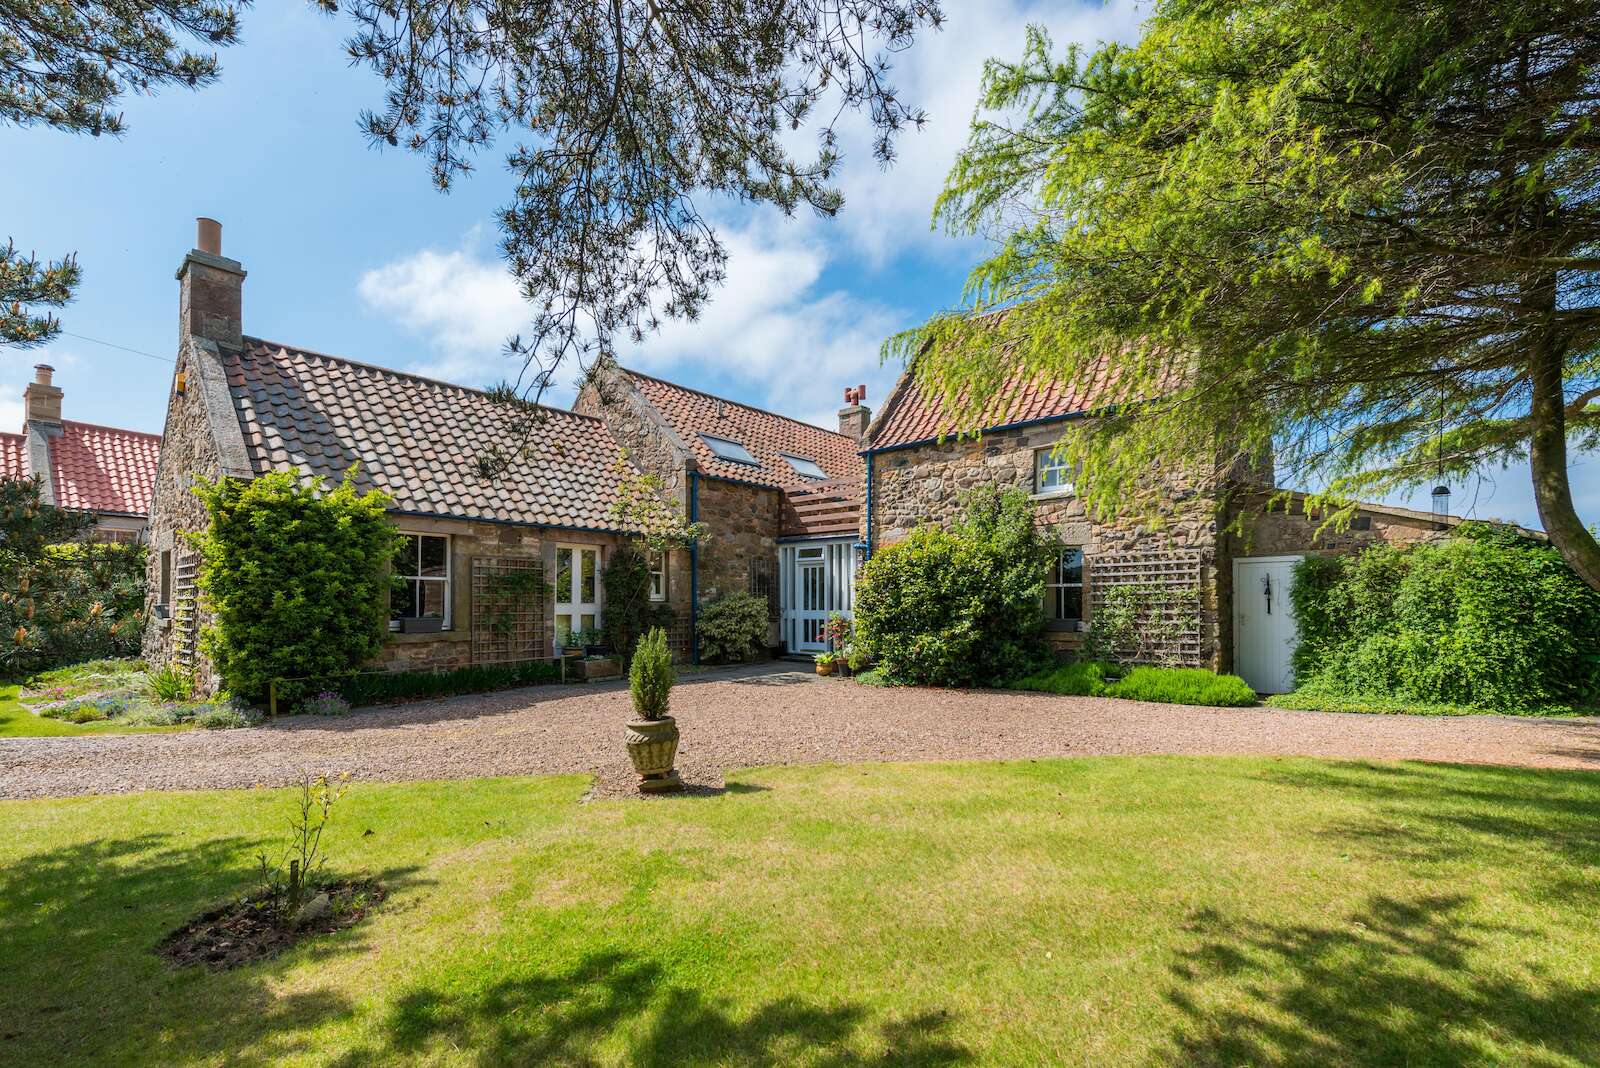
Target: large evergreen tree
[
  {"x": 1365, "y": 232},
  {"x": 66, "y": 65}
]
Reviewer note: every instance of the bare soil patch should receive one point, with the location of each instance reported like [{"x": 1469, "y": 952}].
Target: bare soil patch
[{"x": 247, "y": 930}]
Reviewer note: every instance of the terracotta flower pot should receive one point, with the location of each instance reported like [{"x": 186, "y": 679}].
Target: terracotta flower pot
[
  {"x": 652, "y": 746},
  {"x": 824, "y": 669}
]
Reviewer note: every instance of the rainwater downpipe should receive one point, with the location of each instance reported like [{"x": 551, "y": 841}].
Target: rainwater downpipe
[{"x": 694, "y": 570}]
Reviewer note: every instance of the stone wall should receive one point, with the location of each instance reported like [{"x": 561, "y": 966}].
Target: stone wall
[
  {"x": 637, "y": 427},
  {"x": 927, "y": 483},
  {"x": 189, "y": 453},
  {"x": 743, "y": 523}
]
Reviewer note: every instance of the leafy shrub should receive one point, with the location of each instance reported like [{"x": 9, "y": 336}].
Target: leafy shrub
[
  {"x": 959, "y": 607},
  {"x": 87, "y": 708},
  {"x": 221, "y": 717},
  {"x": 62, "y": 600},
  {"x": 872, "y": 677},
  {"x": 733, "y": 628},
  {"x": 324, "y": 703},
  {"x": 169, "y": 684},
  {"x": 386, "y": 687},
  {"x": 85, "y": 713},
  {"x": 650, "y": 677},
  {"x": 1486, "y": 619},
  {"x": 1182, "y": 686},
  {"x": 629, "y": 610},
  {"x": 1084, "y": 678},
  {"x": 296, "y": 578}
]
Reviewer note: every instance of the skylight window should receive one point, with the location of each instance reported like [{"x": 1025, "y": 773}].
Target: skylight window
[
  {"x": 803, "y": 467},
  {"x": 728, "y": 449}
]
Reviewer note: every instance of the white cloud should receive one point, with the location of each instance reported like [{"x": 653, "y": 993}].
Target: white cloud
[
  {"x": 888, "y": 211},
  {"x": 463, "y": 304},
  {"x": 769, "y": 336}
]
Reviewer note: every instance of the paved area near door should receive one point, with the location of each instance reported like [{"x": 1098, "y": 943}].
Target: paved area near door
[{"x": 763, "y": 715}]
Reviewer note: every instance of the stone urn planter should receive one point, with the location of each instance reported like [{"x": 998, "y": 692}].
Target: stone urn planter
[{"x": 653, "y": 746}]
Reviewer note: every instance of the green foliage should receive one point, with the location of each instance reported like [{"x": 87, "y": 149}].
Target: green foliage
[
  {"x": 1083, "y": 678},
  {"x": 24, "y": 283},
  {"x": 651, "y": 676},
  {"x": 296, "y": 578},
  {"x": 642, "y": 504},
  {"x": 1166, "y": 685},
  {"x": 224, "y": 717},
  {"x": 1485, "y": 620},
  {"x": 958, "y": 607},
  {"x": 629, "y": 610},
  {"x": 169, "y": 683},
  {"x": 1182, "y": 686},
  {"x": 733, "y": 628},
  {"x": 872, "y": 677},
  {"x": 1332, "y": 227},
  {"x": 1143, "y": 623},
  {"x": 62, "y": 600},
  {"x": 323, "y": 703},
  {"x": 287, "y": 882},
  {"x": 387, "y": 687},
  {"x": 1308, "y": 700}
]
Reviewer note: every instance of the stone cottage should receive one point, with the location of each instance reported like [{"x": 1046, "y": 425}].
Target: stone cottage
[
  {"x": 1224, "y": 589},
  {"x": 103, "y": 470},
  {"x": 242, "y": 406}
]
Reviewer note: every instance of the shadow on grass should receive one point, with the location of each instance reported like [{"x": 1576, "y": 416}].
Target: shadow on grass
[
  {"x": 79, "y": 926},
  {"x": 620, "y": 1001},
  {"x": 1392, "y": 984}
]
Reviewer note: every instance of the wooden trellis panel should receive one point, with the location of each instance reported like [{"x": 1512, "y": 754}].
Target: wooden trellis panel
[
  {"x": 1177, "y": 576},
  {"x": 186, "y": 612},
  {"x": 509, "y": 624}
]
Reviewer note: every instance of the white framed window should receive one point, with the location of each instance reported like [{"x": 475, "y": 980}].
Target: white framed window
[
  {"x": 1051, "y": 473},
  {"x": 1063, "y": 594},
  {"x": 658, "y": 576},
  {"x": 728, "y": 449},
  {"x": 421, "y": 580},
  {"x": 577, "y": 593},
  {"x": 803, "y": 467}
]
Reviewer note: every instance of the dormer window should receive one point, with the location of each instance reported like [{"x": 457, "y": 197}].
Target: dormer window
[
  {"x": 728, "y": 449},
  {"x": 803, "y": 467}
]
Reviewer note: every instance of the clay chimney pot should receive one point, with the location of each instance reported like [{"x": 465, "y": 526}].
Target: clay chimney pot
[{"x": 208, "y": 235}]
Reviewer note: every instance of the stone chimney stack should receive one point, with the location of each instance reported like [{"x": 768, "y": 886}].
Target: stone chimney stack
[
  {"x": 854, "y": 416},
  {"x": 41, "y": 402},
  {"x": 210, "y": 290}
]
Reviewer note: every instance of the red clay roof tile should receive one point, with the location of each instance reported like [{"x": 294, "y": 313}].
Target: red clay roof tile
[
  {"x": 103, "y": 469},
  {"x": 765, "y": 434}
]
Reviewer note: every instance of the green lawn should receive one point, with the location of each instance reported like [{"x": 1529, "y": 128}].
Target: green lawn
[
  {"x": 1106, "y": 911},
  {"x": 17, "y": 721}
]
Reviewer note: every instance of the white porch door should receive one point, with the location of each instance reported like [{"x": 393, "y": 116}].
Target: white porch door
[
  {"x": 815, "y": 580},
  {"x": 1264, "y": 631},
  {"x": 577, "y": 586}
]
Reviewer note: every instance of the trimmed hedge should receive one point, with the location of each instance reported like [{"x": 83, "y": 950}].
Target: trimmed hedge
[
  {"x": 1487, "y": 619},
  {"x": 1172, "y": 686},
  {"x": 378, "y": 688}
]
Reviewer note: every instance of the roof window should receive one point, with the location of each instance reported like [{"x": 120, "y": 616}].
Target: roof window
[
  {"x": 803, "y": 467},
  {"x": 728, "y": 449}
]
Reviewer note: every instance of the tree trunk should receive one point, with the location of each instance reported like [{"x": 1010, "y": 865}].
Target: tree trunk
[{"x": 1548, "y": 452}]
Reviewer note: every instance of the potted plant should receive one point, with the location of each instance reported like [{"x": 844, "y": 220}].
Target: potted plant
[
  {"x": 592, "y": 640},
  {"x": 567, "y": 641},
  {"x": 826, "y": 662},
  {"x": 653, "y": 735}
]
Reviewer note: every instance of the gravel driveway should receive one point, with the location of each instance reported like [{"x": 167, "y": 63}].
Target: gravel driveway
[{"x": 763, "y": 715}]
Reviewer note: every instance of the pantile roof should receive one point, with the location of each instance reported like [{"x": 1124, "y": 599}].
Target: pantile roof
[
  {"x": 765, "y": 434},
  {"x": 13, "y": 456},
  {"x": 417, "y": 439},
  {"x": 103, "y": 469},
  {"x": 94, "y": 468},
  {"x": 917, "y": 413}
]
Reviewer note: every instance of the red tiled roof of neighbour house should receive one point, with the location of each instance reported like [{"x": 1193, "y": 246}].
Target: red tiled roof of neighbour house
[
  {"x": 917, "y": 413},
  {"x": 765, "y": 434},
  {"x": 13, "y": 456},
  {"x": 418, "y": 439},
  {"x": 103, "y": 469}
]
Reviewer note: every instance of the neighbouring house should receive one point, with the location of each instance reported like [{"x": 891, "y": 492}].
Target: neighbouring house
[
  {"x": 102, "y": 470},
  {"x": 770, "y": 489},
  {"x": 1226, "y": 588}
]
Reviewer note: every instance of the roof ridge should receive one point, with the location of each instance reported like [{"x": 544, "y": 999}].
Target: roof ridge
[
  {"x": 405, "y": 374},
  {"x": 104, "y": 426},
  {"x": 729, "y": 400}
]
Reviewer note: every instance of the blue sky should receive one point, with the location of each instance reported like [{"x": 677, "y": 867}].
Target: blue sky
[{"x": 351, "y": 251}]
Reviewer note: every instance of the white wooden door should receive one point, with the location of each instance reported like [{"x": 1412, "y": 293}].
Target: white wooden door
[
  {"x": 577, "y": 585},
  {"x": 815, "y": 580},
  {"x": 1264, "y": 630}
]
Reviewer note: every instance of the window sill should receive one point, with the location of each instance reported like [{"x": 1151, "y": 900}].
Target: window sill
[
  {"x": 1052, "y": 495},
  {"x": 1064, "y": 626},
  {"x": 452, "y": 635}
]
